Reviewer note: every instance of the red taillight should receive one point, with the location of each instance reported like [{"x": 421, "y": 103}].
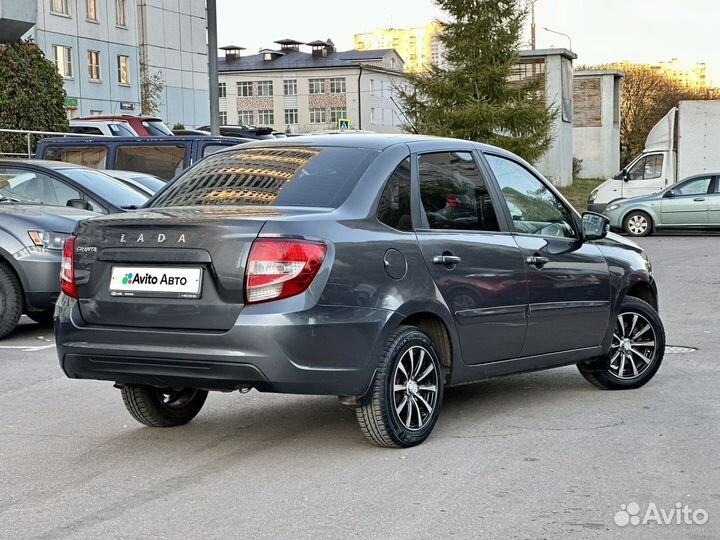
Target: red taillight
[
  {"x": 280, "y": 268},
  {"x": 67, "y": 269}
]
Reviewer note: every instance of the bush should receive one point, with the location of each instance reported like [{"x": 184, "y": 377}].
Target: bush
[{"x": 32, "y": 96}]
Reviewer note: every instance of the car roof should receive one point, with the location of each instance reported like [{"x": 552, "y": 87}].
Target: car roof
[
  {"x": 101, "y": 121},
  {"x": 138, "y": 140},
  {"x": 46, "y": 163},
  {"x": 121, "y": 117},
  {"x": 370, "y": 141}
]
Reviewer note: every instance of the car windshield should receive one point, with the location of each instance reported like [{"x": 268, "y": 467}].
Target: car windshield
[
  {"x": 105, "y": 187},
  {"x": 156, "y": 127},
  {"x": 270, "y": 176}
]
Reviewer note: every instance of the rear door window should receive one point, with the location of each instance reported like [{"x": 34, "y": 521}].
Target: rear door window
[
  {"x": 454, "y": 193},
  {"x": 271, "y": 176},
  {"x": 94, "y": 157},
  {"x": 163, "y": 161}
]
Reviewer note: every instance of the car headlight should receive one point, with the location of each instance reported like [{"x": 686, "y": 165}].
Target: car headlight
[
  {"x": 612, "y": 207},
  {"x": 593, "y": 196},
  {"x": 48, "y": 240}
]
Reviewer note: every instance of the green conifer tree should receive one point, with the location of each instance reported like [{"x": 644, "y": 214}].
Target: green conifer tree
[{"x": 474, "y": 97}]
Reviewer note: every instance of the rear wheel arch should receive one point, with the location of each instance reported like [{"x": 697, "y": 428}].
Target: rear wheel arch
[{"x": 436, "y": 328}]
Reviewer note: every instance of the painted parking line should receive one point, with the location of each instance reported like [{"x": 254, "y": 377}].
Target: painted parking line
[{"x": 27, "y": 348}]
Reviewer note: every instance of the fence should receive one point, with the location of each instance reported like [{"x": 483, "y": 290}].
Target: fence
[{"x": 31, "y": 139}]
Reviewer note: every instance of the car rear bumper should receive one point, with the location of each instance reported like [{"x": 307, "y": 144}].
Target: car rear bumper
[{"x": 325, "y": 350}]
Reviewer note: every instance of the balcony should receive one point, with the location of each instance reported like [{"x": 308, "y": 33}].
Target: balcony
[{"x": 16, "y": 18}]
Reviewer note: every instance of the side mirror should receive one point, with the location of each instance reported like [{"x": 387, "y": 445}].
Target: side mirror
[
  {"x": 670, "y": 194},
  {"x": 594, "y": 226},
  {"x": 626, "y": 176},
  {"x": 79, "y": 204}
]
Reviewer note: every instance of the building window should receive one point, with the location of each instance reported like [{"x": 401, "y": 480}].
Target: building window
[
  {"x": 265, "y": 88},
  {"x": 222, "y": 118},
  {"x": 372, "y": 87},
  {"x": 291, "y": 116},
  {"x": 60, "y": 7},
  {"x": 266, "y": 117},
  {"x": 382, "y": 88},
  {"x": 62, "y": 57},
  {"x": 372, "y": 115},
  {"x": 245, "y": 118},
  {"x": 94, "y": 65},
  {"x": 121, "y": 16},
  {"x": 222, "y": 89},
  {"x": 123, "y": 69},
  {"x": 317, "y": 116},
  {"x": 290, "y": 87},
  {"x": 244, "y": 89},
  {"x": 336, "y": 113},
  {"x": 91, "y": 9},
  {"x": 317, "y": 86},
  {"x": 95, "y": 112},
  {"x": 337, "y": 86}
]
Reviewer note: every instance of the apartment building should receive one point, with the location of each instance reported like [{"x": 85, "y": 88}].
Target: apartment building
[
  {"x": 93, "y": 43},
  {"x": 418, "y": 47},
  {"x": 102, "y": 47},
  {"x": 295, "y": 91}
]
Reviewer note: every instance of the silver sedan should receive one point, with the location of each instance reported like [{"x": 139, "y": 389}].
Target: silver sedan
[{"x": 693, "y": 203}]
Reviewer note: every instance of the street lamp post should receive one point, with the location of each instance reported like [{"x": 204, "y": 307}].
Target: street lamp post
[
  {"x": 560, "y": 33},
  {"x": 532, "y": 24},
  {"x": 213, "y": 67}
]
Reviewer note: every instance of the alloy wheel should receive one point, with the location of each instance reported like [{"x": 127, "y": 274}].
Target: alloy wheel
[
  {"x": 415, "y": 388},
  {"x": 633, "y": 350}
]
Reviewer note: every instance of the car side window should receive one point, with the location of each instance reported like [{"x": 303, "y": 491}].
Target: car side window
[
  {"x": 394, "y": 206},
  {"x": 454, "y": 193},
  {"x": 647, "y": 168},
  {"x": 26, "y": 185},
  {"x": 698, "y": 186},
  {"x": 533, "y": 207}
]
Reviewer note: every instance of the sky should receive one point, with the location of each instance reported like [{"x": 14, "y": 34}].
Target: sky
[{"x": 601, "y": 30}]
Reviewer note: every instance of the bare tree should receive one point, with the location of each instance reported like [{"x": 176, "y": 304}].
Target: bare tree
[
  {"x": 647, "y": 96},
  {"x": 152, "y": 85}
]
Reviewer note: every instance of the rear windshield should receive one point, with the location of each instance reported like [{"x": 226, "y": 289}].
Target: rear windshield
[
  {"x": 121, "y": 130},
  {"x": 156, "y": 127},
  {"x": 105, "y": 187},
  {"x": 270, "y": 176}
]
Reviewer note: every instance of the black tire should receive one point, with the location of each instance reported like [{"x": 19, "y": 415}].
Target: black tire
[
  {"x": 44, "y": 317},
  {"x": 602, "y": 371},
  {"x": 156, "y": 407},
  {"x": 633, "y": 224},
  {"x": 11, "y": 300},
  {"x": 378, "y": 413}
]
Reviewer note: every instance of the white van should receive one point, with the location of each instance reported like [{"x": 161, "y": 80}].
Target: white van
[{"x": 684, "y": 143}]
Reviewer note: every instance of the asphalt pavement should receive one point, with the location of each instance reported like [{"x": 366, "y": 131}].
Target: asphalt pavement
[{"x": 542, "y": 455}]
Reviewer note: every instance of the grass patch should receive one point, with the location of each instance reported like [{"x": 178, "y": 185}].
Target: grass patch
[{"x": 579, "y": 192}]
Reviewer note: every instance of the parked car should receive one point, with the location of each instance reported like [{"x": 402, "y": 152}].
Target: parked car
[
  {"x": 31, "y": 241},
  {"x": 109, "y": 128},
  {"x": 55, "y": 183},
  {"x": 693, "y": 203},
  {"x": 182, "y": 132},
  {"x": 146, "y": 183},
  {"x": 164, "y": 157},
  {"x": 352, "y": 286},
  {"x": 247, "y": 132},
  {"x": 144, "y": 126}
]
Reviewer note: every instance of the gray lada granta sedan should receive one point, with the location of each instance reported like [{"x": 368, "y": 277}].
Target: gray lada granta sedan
[{"x": 382, "y": 269}]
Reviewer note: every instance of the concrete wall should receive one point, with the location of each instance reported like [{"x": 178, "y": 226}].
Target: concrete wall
[
  {"x": 173, "y": 43},
  {"x": 556, "y": 164},
  {"x": 596, "y": 130},
  {"x": 16, "y": 18}
]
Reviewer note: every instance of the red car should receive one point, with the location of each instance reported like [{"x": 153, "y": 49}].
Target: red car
[{"x": 143, "y": 125}]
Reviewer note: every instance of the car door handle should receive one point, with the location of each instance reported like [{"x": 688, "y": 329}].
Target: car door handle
[
  {"x": 447, "y": 260},
  {"x": 537, "y": 260},
  {"x": 699, "y": 199}
]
